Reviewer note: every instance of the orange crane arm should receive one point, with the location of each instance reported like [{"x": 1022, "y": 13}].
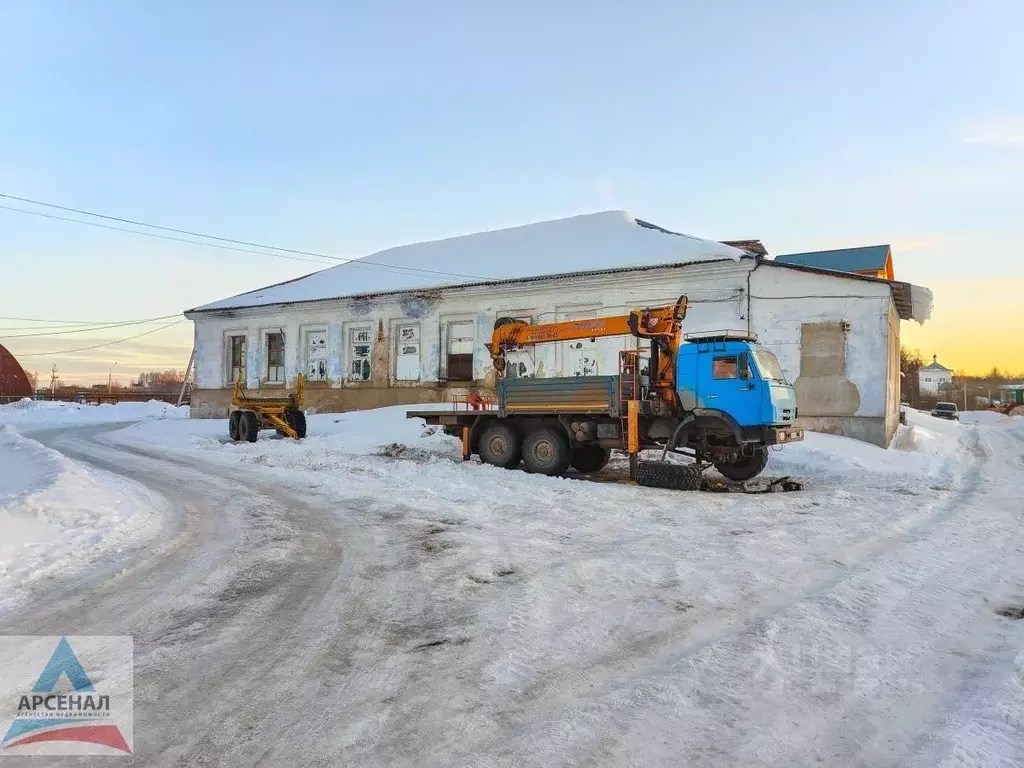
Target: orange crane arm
[{"x": 659, "y": 322}]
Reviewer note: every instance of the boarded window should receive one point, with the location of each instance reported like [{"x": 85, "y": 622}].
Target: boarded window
[
  {"x": 359, "y": 354},
  {"x": 236, "y": 358},
  {"x": 460, "y": 351},
  {"x": 275, "y": 357},
  {"x": 725, "y": 368},
  {"x": 407, "y": 353},
  {"x": 823, "y": 387},
  {"x": 519, "y": 362},
  {"x": 316, "y": 355},
  {"x": 580, "y": 356}
]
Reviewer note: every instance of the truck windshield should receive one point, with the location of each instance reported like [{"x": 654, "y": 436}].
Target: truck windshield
[{"x": 769, "y": 366}]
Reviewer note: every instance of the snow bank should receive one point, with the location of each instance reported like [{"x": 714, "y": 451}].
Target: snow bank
[
  {"x": 592, "y": 242},
  {"x": 40, "y": 414},
  {"x": 988, "y": 418},
  {"x": 925, "y": 449},
  {"x": 58, "y": 517}
]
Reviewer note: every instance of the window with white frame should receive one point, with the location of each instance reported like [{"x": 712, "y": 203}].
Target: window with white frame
[
  {"x": 407, "y": 352},
  {"x": 316, "y": 355},
  {"x": 359, "y": 354},
  {"x": 275, "y": 358},
  {"x": 236, "y": 358},
  {"x": 461, "y": 335}
]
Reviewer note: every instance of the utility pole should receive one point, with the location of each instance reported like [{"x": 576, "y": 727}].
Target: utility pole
[
  {"x": 53, "y": 380},
  {"x": 110, "y": 378},
  {"x": 188, "y": 372}
]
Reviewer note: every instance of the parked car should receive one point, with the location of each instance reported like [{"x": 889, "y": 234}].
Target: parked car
[{"x": 946, "y": 411}]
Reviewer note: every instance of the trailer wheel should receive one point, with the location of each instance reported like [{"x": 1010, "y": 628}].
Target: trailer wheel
[
  {"x": 248, "y": 426},
  {"x": 501, "y": 445},
  {"x": 296, "y": 419},
  {"x": 546, "y": 451},
  {"x": 590, "y": 458},
  {"x": 739, "y": 467},
  {"x": 661, "y": 474},
  {"x": 233, "y": 424}
]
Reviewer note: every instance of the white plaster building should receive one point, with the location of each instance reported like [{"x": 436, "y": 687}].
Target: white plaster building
[
  {"x": 934, "y": 377},
  {"x": 408, "y": 325}
]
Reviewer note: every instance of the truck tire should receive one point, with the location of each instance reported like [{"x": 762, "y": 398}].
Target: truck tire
[
  {"x": 589, "y": 458},
  {"x": 741, "y": 467},
  {"x": 233, "y": 418},
  {"x": 248, "y": 426},
  {"x": 501, "y": 445},
  {"x": 661, "y": 474},
  {"x": 546, "y": 451},
  {"x": 296, "y": 419}
]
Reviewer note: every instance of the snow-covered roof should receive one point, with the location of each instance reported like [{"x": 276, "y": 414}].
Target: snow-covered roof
[
  {"x": 588, "y": 243},
  {"x": 935, "y": 365}
]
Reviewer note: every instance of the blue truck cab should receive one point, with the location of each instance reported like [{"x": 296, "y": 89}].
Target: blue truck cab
[{"x": 729, "y": 376}]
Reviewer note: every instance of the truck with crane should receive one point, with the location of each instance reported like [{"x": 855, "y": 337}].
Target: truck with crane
[{"x": 719, "y": 397}]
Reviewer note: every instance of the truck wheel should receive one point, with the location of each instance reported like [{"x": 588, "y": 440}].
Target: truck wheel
[
  {"x": 501, "y": 446},
  {"x": 590, "y": 458},
  {"x": 546, "y": 451},
  {"x": 296, "y": 419},
  {"x": 661, "y": 474},
  {"x": 740, "y": 467},
  {"x": 248, "y": 426},
  {"x": 233, "y": 424}
]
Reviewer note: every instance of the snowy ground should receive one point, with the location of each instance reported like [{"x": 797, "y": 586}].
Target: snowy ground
[
  {"x": 446, "y": 613},
  {"x": 59, "y": 516}
]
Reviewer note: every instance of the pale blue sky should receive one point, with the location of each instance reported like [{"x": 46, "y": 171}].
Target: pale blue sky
[{"x": 342, "y": 128}]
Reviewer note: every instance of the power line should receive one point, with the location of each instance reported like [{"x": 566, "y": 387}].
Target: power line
[
  {"x": 155, "y": 235},
  {"x": 105, "y": 344},
  {"x": 361, "y": 263},
  {"x": 165, "y": 229},
  {"x": 87, "y": 329},
  {"x": 60, "y": 322},
  {"x": 61, "y": 326}
]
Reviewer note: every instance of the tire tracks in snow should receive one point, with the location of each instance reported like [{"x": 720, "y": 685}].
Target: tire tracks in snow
[
  {"x": 226, "y": 615},
  {"x": 554, "y": 694}
]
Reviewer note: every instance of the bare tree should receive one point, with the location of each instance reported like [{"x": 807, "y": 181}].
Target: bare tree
[{"x": 910, "y": 363}]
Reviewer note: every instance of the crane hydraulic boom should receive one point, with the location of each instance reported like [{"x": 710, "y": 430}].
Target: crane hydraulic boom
[{"x": 662, "y": 323}]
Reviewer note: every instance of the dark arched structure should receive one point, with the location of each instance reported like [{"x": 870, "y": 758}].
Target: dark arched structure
[{"x": 14, "y": 384}]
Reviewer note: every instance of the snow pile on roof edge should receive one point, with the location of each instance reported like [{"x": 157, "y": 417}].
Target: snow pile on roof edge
[{"x": 921, "y": 300}]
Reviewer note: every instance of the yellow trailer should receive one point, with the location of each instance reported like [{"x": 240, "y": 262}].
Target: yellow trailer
[{"x": 251, "y": 414}]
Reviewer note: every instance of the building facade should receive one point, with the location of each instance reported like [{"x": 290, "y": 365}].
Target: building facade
[{"x": 836, "y": 336}]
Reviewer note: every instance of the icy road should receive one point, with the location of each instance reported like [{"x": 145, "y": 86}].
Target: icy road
[{"x": 363, "y": 598}]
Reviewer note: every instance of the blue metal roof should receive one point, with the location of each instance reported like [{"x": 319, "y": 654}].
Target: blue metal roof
[{"x": 872, "y": 257}]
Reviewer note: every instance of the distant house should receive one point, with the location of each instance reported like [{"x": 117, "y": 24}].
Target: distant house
[
  {"x": 871, "y": 260},
  {"x": 1012, "y": 393},
  {"x": 934, "y": 377}
]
